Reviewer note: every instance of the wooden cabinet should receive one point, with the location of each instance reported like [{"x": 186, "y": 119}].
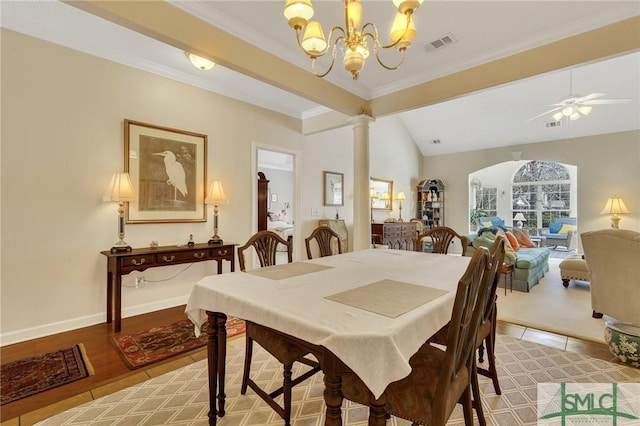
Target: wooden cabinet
[
  {"x": 340, "y": 228},
  {"x": 396, "y": 235},
  {"x": 430, "y": 203}
]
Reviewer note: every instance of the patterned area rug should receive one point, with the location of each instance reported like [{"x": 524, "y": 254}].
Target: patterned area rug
[
  {"x": 39, "y": 373},
  {"x": 181, "y": 396},
  {"x": 158, "y": 343}
]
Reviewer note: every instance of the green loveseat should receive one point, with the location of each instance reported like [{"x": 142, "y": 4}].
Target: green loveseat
[{"x": 530, "y": 264}]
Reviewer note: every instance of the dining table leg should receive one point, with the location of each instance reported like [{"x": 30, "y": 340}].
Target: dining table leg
[
  {"x": 216, "y": 359},
  {"x": 377, "y": 414},
  {"x": 333, "y": 399}
]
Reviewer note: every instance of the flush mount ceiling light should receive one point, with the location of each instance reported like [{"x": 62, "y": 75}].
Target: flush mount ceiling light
[
  {"x": 200, "y": 62},
  {"x": 352, "y": 37}
]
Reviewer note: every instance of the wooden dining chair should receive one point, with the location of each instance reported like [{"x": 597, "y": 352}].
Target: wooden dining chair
[
  {"x": 439, "y": 378},
  {"x": 326, "y": 238},
  {"x": 441, "y": 238},
  {"x": 487, "y": 329},
  {"x": 265, "y": 244}
]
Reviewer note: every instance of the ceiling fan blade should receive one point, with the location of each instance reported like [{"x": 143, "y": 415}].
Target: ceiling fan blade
[
  {"x": 589, "y": 97},
  {"x": 606, "y": 101},
  {"x": 545, "y": 113}
]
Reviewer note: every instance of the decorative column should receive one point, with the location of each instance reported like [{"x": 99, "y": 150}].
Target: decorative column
[{"x": 361, "y": 202}]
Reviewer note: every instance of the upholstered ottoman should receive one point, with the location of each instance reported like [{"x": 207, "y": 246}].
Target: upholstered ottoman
[{"x": 573, "y": 268}]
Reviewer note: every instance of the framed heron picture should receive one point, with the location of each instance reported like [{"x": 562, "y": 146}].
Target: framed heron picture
[{"x": 168, "y": 169}]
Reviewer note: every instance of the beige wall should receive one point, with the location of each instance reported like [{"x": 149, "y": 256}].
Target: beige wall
[
  {"x": 607, "y": 165},
  {"x": 62, "y": 138}
]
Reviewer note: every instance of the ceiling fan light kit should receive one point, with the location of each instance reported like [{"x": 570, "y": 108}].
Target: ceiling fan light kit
[{"x": 352, "y": 37}]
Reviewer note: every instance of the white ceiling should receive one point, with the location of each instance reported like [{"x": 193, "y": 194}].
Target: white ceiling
[{"x": 484, "y": 31}]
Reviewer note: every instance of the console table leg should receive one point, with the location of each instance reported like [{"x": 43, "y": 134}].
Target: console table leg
[{"x": 109, "y": 297}]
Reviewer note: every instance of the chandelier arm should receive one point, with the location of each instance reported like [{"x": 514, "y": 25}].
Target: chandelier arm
[
  {"x": 376, "y": 38},
  {"x": 326, "y": 49},
  {"x": 333, "y": 61},
  {"x": 390, "y": 68}
]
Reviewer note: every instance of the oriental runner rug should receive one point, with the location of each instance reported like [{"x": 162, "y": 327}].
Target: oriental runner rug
[
  {"x": 180, "y": 397},
  {"x": 35, "y": 374},
  {"x": 155, "y": 344}
]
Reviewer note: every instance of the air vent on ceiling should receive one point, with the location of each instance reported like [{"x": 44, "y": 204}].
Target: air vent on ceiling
[
  {"x": 551, "y": 124},
  {"x": 443, "y": 41}
]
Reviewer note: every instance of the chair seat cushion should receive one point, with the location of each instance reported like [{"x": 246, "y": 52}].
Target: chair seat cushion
[
  {"x": 283, "y": 350},
  {"x": 552, "y": 236},
  {"x": 412, "y": 397}
]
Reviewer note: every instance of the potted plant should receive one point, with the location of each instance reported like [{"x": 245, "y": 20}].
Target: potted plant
[{"x": 475, "y": 214}]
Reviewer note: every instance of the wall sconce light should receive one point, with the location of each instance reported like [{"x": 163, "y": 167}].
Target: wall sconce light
[
  {"x": 400, "y": 197},
  {"x": 615, "y": 206},
  {"x": 215, "y": 197},
  {"x": 519, "y": 217},
  {"x": 200, "y": 62},
  {"x": 121, "y": 191}
]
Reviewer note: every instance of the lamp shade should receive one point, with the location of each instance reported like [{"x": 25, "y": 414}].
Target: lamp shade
[
  {"x": 520, "y": 217},
  {"x": 121, "y": 188},
  {"x": 400, "y": 196},
  {"x": 615, "y": 205},
  {"x": 373, "y": 194},
  {"x": 385, "y": 196},
  {"x": 216, "y": 193}
]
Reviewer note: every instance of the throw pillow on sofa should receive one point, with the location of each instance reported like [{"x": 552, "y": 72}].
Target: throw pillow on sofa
[
  {"x": 488, "y": 238},
  {"x": 566, "y": 227},
  {"x": 513, "y": 240},
  {"x": 523, "y": 238}
]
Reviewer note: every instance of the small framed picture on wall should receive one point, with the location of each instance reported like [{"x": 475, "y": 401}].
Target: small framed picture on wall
[{"x": 333, "y": 189}]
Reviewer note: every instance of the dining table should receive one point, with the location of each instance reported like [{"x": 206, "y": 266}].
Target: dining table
[{"x": 364, "y": 312}]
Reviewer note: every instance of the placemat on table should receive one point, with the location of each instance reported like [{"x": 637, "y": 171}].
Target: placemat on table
[
  {"x": 387, "y": 297},
  {"x": 288, "y": 270}
]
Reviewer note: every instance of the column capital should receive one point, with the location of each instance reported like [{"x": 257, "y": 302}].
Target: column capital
[{"x": 361, "y": 120}]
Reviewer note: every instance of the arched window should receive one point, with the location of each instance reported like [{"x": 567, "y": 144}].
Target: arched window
[{"x": 541, "y": 191}]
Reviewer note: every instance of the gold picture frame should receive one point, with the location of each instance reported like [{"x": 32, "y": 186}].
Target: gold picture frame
[
  {"x": 380, "y": 187},
  {"x": 168, "y": 169}
]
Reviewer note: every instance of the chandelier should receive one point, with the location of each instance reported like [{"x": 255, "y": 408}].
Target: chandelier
[{"x": 352, "y": 38}]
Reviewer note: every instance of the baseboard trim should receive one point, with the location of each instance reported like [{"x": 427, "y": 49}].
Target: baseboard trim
[{"x": 25, "y": 334}]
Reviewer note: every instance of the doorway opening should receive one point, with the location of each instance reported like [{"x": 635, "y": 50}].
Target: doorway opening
[{"x": 276, "y": 199}]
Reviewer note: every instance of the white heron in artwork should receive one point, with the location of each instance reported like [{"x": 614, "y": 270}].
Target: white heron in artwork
[{"x": 175, "y": 173}]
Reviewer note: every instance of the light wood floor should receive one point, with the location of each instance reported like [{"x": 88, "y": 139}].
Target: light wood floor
[{"x": 111, "y": 374}]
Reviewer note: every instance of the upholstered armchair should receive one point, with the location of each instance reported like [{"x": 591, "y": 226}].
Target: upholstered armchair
[
  {"x": 561, "y": 232},
  {"x": 613, "y": 256}
]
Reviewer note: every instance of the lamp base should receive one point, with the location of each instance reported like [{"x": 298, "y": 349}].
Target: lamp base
[
  {"x": 120, "y": 249},
  {"x": 215, "y": 240},
  {"x": 615, "y": 222}
]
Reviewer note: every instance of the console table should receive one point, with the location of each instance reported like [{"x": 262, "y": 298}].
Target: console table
[{"x": 140, "y": 259}]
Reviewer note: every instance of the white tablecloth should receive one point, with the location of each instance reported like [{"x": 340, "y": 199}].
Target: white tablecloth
[{"x": 375, "y": 347}]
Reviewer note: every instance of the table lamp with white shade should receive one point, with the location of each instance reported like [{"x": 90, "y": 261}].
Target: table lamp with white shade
[
  {"x": 615, "y": 206},
  {"x": 519, "y": 218},
  {"x": 121, "y": 191},
  {"x": 400, "y": 197},
  {"x": 215, "y": 197}
]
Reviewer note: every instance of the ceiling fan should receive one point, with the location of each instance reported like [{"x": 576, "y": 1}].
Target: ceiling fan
[{"x": 575, "y": 106}]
